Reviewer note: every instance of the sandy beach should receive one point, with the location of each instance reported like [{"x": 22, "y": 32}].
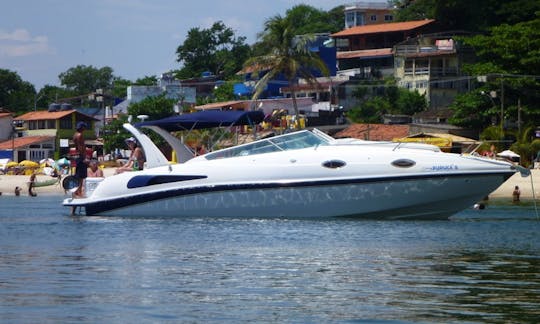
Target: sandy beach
[
  {"x": 9, "y": 182},
  {"x": 524, "y": 183}
]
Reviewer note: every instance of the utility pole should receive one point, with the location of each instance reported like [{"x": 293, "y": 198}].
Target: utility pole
[
  {"x": 502, "y": 104},
  {"x": 519, "y": 116}
]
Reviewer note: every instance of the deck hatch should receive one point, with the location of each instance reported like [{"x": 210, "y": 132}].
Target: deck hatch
[
  {"x": 334, "y": 164},
  {"x": 403, "y": 163}
]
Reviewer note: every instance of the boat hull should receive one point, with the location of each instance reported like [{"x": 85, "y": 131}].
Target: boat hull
[{"x": 401, "y": 197}]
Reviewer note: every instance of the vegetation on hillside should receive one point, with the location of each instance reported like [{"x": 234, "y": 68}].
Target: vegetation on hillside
[{"x": 506, "y": 42}]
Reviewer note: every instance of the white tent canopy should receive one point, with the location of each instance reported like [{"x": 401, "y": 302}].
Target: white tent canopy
[{"x": 509, "y": 154}]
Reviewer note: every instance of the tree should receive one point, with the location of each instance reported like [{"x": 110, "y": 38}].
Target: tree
[
  {"x": 492, "y": 137},
  {"x": 370, "y": 111},
  {"x": 114, "y": 134},
  {"x": 306, "y": 19},
  {"x": 146, "y": 81},
  {"x": 390, "y": 100},
  {"x": 526, "y": 145},
  {"x": 478, "y": 15},
  {"x": 224, "y": 92},
  {"x": 216, "y": 50},
  {"x": 335, "y": 19},
  {"x": 155, "y": 107},
  {"x": 472, "y": 110},
  {"x": 289, "y": 56},
  {"x": 507, "y": 49},
  {"x": 15, "y": 94},
  {"x": 50, "y": 94},
  {"x": 414, "y": 10},
  {"x": 119, "y": 87},
  {"x": 510, "y": 55},
  {"x": 86, "y": 79},
  {"x": 409, "y": 102}
]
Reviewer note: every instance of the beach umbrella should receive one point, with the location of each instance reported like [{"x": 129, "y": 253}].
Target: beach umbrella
[
  {"x": 48, "y": 160},
  {"x": 29, "y": 164},
  {"x": 62, "y": 162}
]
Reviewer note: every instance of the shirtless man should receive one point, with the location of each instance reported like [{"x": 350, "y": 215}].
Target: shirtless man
[{"x": 81, "y": 166}]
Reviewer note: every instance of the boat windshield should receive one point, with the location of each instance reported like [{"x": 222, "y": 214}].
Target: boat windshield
[{"x": 287, "y": 142}]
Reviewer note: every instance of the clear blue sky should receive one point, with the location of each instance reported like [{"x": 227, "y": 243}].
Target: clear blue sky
[{"x": 39, "y": 39}]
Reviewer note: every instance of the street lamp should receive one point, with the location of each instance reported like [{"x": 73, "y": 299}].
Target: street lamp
[
  {"x": 492, "y": 95},
  {"x": 13, "y": 133},
  {"x": 36, "y": 98}
]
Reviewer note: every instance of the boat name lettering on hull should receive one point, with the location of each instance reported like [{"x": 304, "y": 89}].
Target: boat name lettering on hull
[{"x": 444, "y": 167}]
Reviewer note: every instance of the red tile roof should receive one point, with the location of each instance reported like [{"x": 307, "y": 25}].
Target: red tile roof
[
  {"x": 374, "y": 132},
  {"x": 53, "y": 115},
  {"x": 24, "y": 141},
  {"x": 383, "y": 28},
  {"x": 5, "y": 114},
  {"x": 42, "y": 115}
]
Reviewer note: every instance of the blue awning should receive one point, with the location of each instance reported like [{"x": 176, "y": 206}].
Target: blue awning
[
  {"x": 206, "y": 119},
  {"x": 241, "y": 89}
]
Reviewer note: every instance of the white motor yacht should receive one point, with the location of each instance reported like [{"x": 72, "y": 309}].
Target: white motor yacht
[{"x": 302, "y": 174}]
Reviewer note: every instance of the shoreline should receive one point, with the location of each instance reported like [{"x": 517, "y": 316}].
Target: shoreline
[
  {"x": 9, "y": 182},
  {"x": 524, "y": 183},
  {"x": 504, "y": 192}
]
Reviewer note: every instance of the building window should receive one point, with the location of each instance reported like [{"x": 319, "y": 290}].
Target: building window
[
  {"x": 342, "y": 92},
  {"x": 324, "y": 96},
  {"x": 66, "y": 123},
  {"x": 360, "y": 19},
  {"x": 349, "y": 19},
  {"x": 421, "y": 84},
  {"x": 373, "y": 18},
  {"x": 388, "y": 17},
  {"x": 354, "y": 18}
]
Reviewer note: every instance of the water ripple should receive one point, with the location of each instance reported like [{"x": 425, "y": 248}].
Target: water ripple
[{"x": 55, "y": 268}]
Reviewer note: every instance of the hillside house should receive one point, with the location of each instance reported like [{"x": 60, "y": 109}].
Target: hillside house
[
  {"x": 368, "y": 49},
  {"x": 432, "y": 64},
  {"x": 46, "y": 134}
]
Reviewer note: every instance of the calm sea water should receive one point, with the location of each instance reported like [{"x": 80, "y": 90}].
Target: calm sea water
[{"x": 481, "y": 266}]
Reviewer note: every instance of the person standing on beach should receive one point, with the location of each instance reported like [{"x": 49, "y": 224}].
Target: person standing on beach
[
  {"x": 31, "y": 185},
  {"x": 81, "y": 165},
  {"x": 515, "y": 194}
]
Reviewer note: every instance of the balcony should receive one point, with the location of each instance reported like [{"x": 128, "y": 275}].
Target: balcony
[
  {"x": 424, "y": 50},
  {"x": 432, "y": 72}
]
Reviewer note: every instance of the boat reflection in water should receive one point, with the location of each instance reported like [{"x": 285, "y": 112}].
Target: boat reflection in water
[{"x": 303, "y": 174}]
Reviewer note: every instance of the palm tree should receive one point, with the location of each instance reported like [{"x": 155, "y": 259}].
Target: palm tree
[
  {"x": 288, "y": 55},
  {"x": 526, "y": 145}
]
